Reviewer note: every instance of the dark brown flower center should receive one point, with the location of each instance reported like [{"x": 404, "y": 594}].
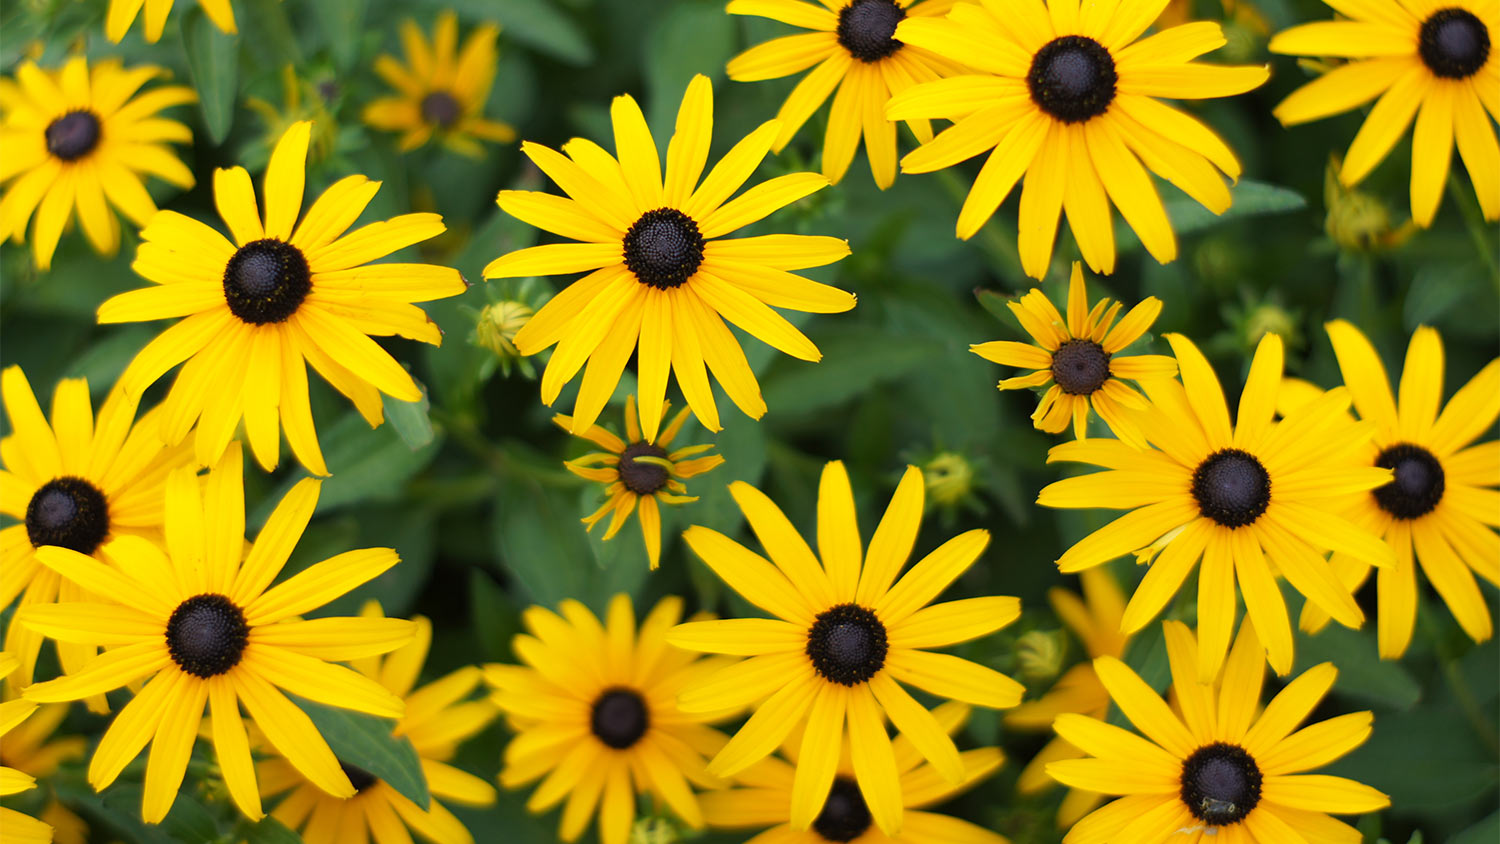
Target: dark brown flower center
[
  {"x": 847, "y": 644},
  {"x": 1453, "y": 43},
  {"x": 266, "y": 281},
  {"x": 1232, "y": 487},
  {"x": 663, "y": 248},
  {"x": 1073, "y": 78},
  {"x": 642, "y": 478},
  {"x": 358, "y": 777},
  {"x": 1220, "y": 784},
  {"x": 620, "y": 718},
  {"x": 845, "y": 816},
  {"x": 866, "y": 29},
  {"x": 440, "y": 109},
  {"x": 1417, "y": 486},
  {"x": 69, "y": 512},
  {"x": 206, "y": 635},
  {"x": 73, "y": 135},
  {"x": 1080, "y": 367}
]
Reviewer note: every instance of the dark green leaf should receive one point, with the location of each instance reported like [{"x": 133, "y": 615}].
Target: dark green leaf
[
  {"x": 535, "y": 23},
  {"x": 854, "y": 360},
  {"x": 270, "y": 831},
  {"x": 409, "y": 419},
  {"x": 1362, "y": 673},
  {"x": 213, "y": 61},
  {"x": 1486, "y": 831},
  {"x": 688, "y": 40},
  {"x": 366, "y": 742},
  {"x": 341, "y": 21},
  {"x": 119, "y": 811}
]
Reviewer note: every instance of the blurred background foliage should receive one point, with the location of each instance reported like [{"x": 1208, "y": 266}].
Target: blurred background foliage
[{"x": 469, "y": 485}]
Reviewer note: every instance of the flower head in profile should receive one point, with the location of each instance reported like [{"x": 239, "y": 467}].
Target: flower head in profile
[
  {"x": 439, "y": 717},
  {"x": 282, "y": 295},
  {"x": 852, "y": 49},
  {"x": 1095, "y": 620},
  {"x": 81, "y": 139},
  {"x": 846, "y": 635},
  {"x": 1066, "y": 94},
  {"x": 76, "y": 482},
  {"x": 1440, "y": 509},
  {"x": 763, "y": 796},
  {"x": 662, "y": 276},
  {"x": 1435, "y": 62},
  {"x": 21, "y": 828},
  {"x": 441, "y": 90},
  {"x": 201, "y": 624},
  {"x": 1213, "y": 767},
  {"x": 596, "y": 716},
  {"x": 1249, "y": 500},
  {"x": 1077, "y": 357},
  {"x": 122, "y": 14},
  {"x": 639, "y": 474}
]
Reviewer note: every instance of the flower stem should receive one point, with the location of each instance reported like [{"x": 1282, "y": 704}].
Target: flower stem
[
  {"x": 1482, "y": 233},
  {"x": 1459, "y": 685}
]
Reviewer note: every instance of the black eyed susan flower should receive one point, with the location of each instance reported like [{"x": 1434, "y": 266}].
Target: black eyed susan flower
[
  {"x": 1431, "y": 61},
  {"x": 597, "y": 720},
  {"x": 851, "y": 48},
  {"x": 1242, "y": 497},
  {"x": 76, "y": 482},
  {"x": 202, "y": 624},
  {"x": 81, "y": 138},
  {"x": 1213, "y": 768},
  {"x": 662, "y": 278},
  {"x": 441, "y": 89},
  {"x": 639, "y": 474},
  {"x": 439, "y": 717},
  {"x": 842, "y": 643},
  {"x": 1095, "y": 619},
  {"x": 1066, "y": 95},
  {"x": 122, "y": 14},
  {"x": 764, "y": 797},
  {"x": 1440, "y": 510},
  {"x": 286, "y": 295},
  {"x": 20, "y": 828},
  {"x": 1077, "y": 357}
]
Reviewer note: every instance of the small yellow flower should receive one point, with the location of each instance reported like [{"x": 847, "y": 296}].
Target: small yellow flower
[
  {"x": 497, "y": 326},
  {"x": 639, "y": 474},
  {"x": 1359, "y": 221},
  {"x": 441, "y": 90},
  {"x": 949, "y": 478}
]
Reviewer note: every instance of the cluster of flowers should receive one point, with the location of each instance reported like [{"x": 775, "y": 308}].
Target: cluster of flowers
[{"x": 137, "y": 565}]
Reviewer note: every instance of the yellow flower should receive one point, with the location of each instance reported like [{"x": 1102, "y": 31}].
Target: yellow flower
[
  {"x": 77, "y": 483},
  {"x": 639, "y": 474},
  {"x": 1440, "y": 510},
  {"x": 1078, "y": 358},
  {"x": 1248, "y": 499},
  {"x": 764, "y": 796},
  {"x": 201, "y": 625},
  {"x": 842, "y": 643},
  {"x": 439, "y": 717},
  {"x": 122, "y": 14},
  {"x": 22, "y": 829},
  {"x": 660, "y": 276},
  {"x": 1215, "y": 769},
  {"x": 1066, "y": 95},
  {"x": 854, "y": 49},
  {"x": 597, "y": 720},
  {"x": 26, "y": 749},
  {"x": 1436, "y": 57},
  {"x": 288, "y": 295},
  {"x": 442, "y": 90},
  {"x": 1096, "y": 621},
  {"x": 81, "y": 138}
]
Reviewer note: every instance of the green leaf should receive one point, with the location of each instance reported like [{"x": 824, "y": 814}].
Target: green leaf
[
  {"x": 409, "y": 419},
  {"x": 1486, "y": 831},
  {"x": 535, "y": 23},
  {"x": 689, "y": 39},
  {"x": 270, "y": 831},
  {"x": 1251, "y": 199},
  {"x": 1362, "y": 673},
  {"x": 855, "y": 359},
  {"x": 118, "y": 810},
  {"x": 366, "y": 742},
  {"x": 213, "y": 63},
  {"x": 340, "y": 21}
]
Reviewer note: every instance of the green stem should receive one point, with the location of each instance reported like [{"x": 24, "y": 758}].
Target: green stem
[
  {"x": 1459, "y": 685},
  {"x": 463, "y": 432},
  {"x": 1482, "y": 234}
]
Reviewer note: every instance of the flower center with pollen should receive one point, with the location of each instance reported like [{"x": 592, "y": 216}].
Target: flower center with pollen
[
  {"x": 266, "y": 281},
  {"x": 642, "y": 478},
  {"x": 845, "y": 816},
  {"x": 1073, "y": 78},
  {"x": 1417, "y": 486},
  {"x": 847, "y": 644},
  {"x": 1232, "y": 487},
  {"x": 1453, "y": 43},
  {"x": 69, "y": 512},
  {"x": 1220, "y": 784},
  {"x": 1080, "y": 367},
  {"x": 440, "y": 109},
  {"x": 866, "y": 28},
  {"x": 619, "y": 718},
  {"x": 73, "y": 135},
  {"x": 663, "y": 248},
  {"x": 358, "y": 777},
  {"x": 206, "y": 635}
]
